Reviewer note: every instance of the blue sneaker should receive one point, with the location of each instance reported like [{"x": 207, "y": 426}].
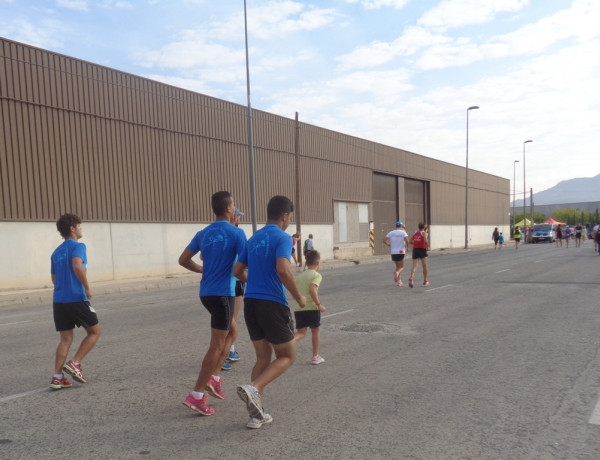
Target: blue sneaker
[
  {"x": 226, "y": 366},
  {"x": 233, "y": 356}
]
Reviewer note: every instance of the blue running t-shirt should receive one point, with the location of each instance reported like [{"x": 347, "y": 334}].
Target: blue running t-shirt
[
  {"x": 262, "y": 251},
  {"x": 219, "y": 244},
  {"x": 67, "y": 287}
]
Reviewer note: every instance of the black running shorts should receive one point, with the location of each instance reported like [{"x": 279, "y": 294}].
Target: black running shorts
[
  {"x": 419, "y": 253},
  {"x": 397, "y": 257},
  {"x": 240, "y": 288},
  {"x": 220, "y": 309},
  {"x": 67, "y": 315},
  {"x": 268, "y": 320},
  {"x": 308, "y": 318}
]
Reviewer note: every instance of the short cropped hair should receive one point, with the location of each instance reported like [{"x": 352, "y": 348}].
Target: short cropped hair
[
  {"x": 278, "y": 206},
  {"x": 312, "y": 257},
  {"x": 421, "y": 225},
  {"x": 220, "y": 201},
  {"x": 65, "y": 222}
]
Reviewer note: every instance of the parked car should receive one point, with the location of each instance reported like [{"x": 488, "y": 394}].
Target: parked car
[{"x": 544, "y": 232}]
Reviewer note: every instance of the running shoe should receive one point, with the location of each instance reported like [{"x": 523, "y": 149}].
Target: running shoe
[
  {"x": 399, "y": 283},
  {"x": 226, "y": 366},
  {"x": 257, "y": 422},
  {"x": 411, "y": 282},
  {"x": 318, "y": 359},
  {"x": 199, "y": 405},
  {"x": 57, "y": 384},
  {"x": 395, "y": 277},
  {"x": 75, "y": 371},
  {"x": 233, "y": 356},
  {"x": 214, "y": 388},
  {"x": 425, "y": 283},
  {"x": 251, "y": 397}
]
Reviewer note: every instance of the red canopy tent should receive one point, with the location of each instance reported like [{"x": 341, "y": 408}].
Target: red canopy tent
[{"x": 550, "y": 220}]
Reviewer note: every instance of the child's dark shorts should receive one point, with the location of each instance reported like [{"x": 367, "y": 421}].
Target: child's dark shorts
[
  {"x": 220, "y": 309},
  {"x": 67, "y": 315},
  {"x": 268, "y": 320},
  {"x": 308, "y": 318}
]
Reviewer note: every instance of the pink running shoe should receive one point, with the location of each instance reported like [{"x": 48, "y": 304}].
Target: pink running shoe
[
  {"x": 57, "y": 384},
  {"x": 214, "y": 388},
  {"x": 199, "y": 405},
  {"x": 425, "y": 283},
  {"x": 75, "y": 371}
]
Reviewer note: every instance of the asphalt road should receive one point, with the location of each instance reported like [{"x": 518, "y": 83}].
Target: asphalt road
[{"x": 497, "y": 359}]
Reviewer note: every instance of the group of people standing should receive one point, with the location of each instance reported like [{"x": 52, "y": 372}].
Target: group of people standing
[
  {"x": 232, "y": 267},
  {"x": 398, "y": 241}
]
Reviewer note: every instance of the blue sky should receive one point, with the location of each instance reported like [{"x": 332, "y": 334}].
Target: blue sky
[{"x": 398, "y": 72}]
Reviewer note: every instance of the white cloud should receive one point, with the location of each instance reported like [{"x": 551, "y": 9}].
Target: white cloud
[
  {"x": 450, "y": 14},
  {"x": 47, "y": 34},
  {"x": 375, "y": 4},
  {"x": 410, "y": 42},
  {"x": 77, "y": 5}
]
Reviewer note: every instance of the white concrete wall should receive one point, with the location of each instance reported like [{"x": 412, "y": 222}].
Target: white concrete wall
[
  {"x": 115, "y": 251},
  {"x": 453, "y": 236}
]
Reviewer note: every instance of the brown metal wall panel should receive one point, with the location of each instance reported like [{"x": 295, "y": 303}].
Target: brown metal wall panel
[{"x": 115, "y": 147}]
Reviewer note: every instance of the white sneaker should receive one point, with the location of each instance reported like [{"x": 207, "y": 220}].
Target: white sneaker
[
  {"x": 255, "y": 423},
  {"x": 317, "y": 360}
]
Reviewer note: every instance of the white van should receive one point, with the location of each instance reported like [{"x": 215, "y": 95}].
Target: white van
[{"x": 544, "y": 232}]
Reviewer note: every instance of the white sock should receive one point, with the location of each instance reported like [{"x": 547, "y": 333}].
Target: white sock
[
  {"x": 217, "y": 378},
  {"x": 232, "y": 349},
  {"x": 197, "y": 394},
  {"x": 59, "y": 376}
]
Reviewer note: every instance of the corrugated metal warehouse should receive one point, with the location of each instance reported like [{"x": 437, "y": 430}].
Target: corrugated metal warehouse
[{"x": 138, "y": 160}]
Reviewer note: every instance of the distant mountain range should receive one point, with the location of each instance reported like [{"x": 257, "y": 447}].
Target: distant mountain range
[{"x": 578, "y": 190}]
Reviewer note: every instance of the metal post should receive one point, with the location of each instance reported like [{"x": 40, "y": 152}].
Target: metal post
[
  {"x": 250, "y": 135},
  {"x": 514, "y": 192},
  {"x": 467, "y": 183},
  {"x": 524, "y": 191},
  {"x": 297, "y": 201}
]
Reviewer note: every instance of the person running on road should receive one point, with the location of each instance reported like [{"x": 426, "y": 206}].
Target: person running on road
[
  {"x": 310, "y": 315},
  {"x": 233, "y": 356},
  {"x": 266, "y": 265},
  {"x": 397, "y": 240},
  {"x": 420, "y": 245},
  {"x": 71, "y": 301},
  {"x": 559, "y": 236},
  {"x": 578, "y": 232},
  {"x": 219, "y": 244}
]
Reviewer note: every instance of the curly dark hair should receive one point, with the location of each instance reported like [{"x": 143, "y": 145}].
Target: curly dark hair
[{"x": 65, "y": 222}]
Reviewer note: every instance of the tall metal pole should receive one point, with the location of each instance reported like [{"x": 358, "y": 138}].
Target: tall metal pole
[
  {"x": 467, "y": 183},
  {"x": 297, "y": 200},
  {"x": 524, "y": 189},
  {"x": 514, "y": 192},
  {"x": 250, "y": 135}
]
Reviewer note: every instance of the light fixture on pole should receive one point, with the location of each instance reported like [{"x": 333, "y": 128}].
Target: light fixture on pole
[
  {"x": 524, "y": 195},
  {"x": 467, "y": 182},
  {"x": 514, "y": 192}
]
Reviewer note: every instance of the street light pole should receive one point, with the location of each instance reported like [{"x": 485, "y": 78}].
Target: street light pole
[
  {"x": 250, "y": 134},
  {"x": 467, "y": 182},
  {"x": 524, "y": 195},
  {"x": 514, "y": 192}
]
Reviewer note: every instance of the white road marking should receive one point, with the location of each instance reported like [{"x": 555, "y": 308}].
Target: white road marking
[
  {"x": 17, "y": 322},
  {"x": 538, "y": 261},
  {"x": 441, "y": 287},
  {"x": 21, "y": 395},
  {"x": 502, "y": 271},
  {"x": 338, "y": 313},
  {"x": 595, "y": 418}
]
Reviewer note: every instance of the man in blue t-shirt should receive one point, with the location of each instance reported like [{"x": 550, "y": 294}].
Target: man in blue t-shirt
[
  {"x": 265, "y": 265},
  {"x": 219, "y": 244},
  {"x": 71, "y": 305}
]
